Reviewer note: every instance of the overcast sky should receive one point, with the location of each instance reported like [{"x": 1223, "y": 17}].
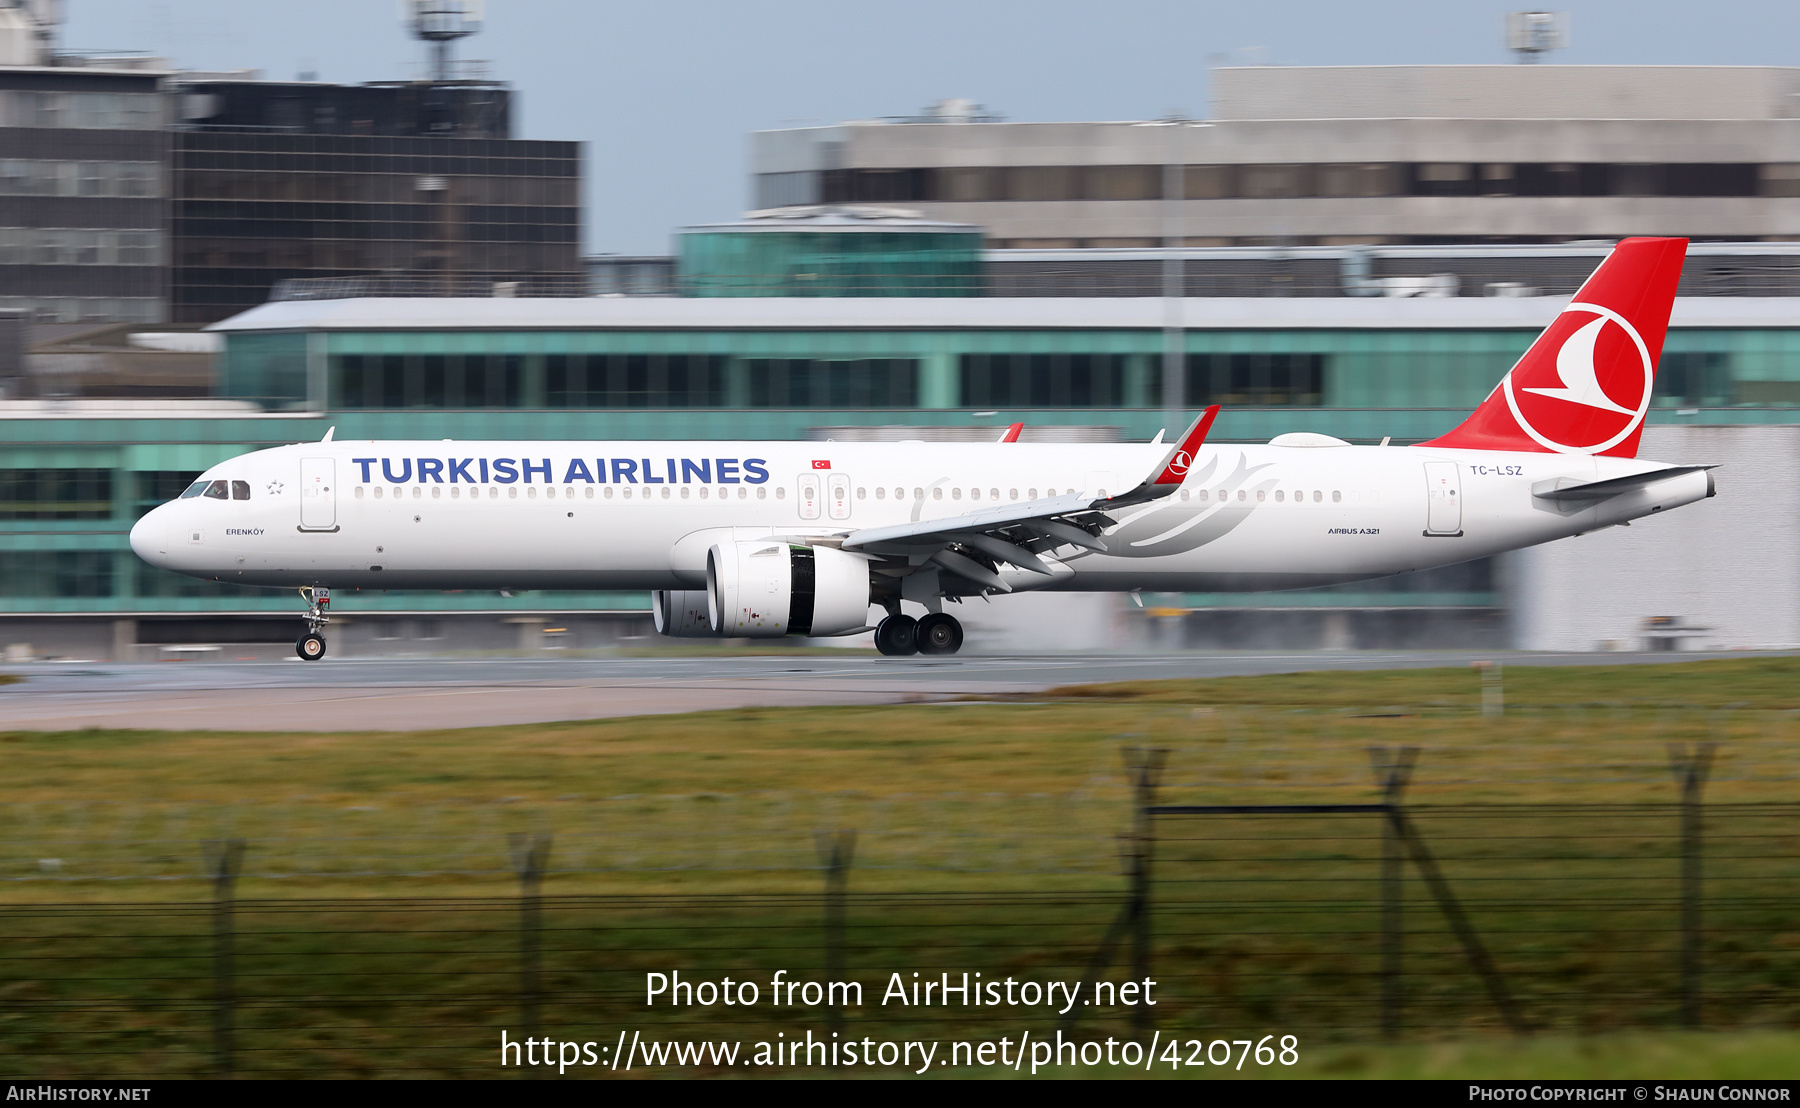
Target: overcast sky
[{"x": 664, "y": 93}]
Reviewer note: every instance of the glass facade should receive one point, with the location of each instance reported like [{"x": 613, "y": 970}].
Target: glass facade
[
  {"x": 830, "y": 263},
  {"x": 56, "y": 494},
  {"x": 83, "y": 220},
  {"x": 251, "y": 209},
  {"x": 1099, "y": 372}
]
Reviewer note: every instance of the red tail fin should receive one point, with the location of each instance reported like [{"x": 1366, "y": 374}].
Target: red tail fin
[{"x": 1584, "y": 386}]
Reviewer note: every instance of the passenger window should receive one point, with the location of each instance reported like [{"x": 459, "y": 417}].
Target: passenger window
[
  {"x": 1012, "y": 494},
  {"x": 1280, "y": 496},
  {"x": 1318, "y": 495},
  {"x": 194, "y": 490},
  {"x": 881, "y": 493},
  {"x": 937, "y": 494},
  {"x": 1032, "y": 493},
  {"x": 1242, "y": 495},
  {"x": 993, "y": 494},
  {"x": 359, "y": 492},
  {"x": 780, "y": 493},
  {"x": 1260, "y": 494},
  {"x": 240, "y": 490},
  {"x": 1336, "y": 496},
  {"x": 956, "y": 494},
  {"x": 218, "y": 490}
]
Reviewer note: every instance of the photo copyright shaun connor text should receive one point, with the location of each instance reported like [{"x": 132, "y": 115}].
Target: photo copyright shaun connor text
[{"x": 1024, "y": 1051}]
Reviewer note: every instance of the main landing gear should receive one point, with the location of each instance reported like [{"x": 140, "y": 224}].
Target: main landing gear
[
  {"x": 311, "y": 645},
  {"x": 900, "y": 635}
]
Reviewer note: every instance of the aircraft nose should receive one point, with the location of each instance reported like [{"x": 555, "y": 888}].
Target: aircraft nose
[{"x": 150, "y": 537}]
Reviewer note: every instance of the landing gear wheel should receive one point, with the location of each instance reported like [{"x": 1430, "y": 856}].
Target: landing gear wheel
[
  {"x": 939, "y": 634},
  {"x": 310, "y": 646},
  {"x": 894, "y": 636}
]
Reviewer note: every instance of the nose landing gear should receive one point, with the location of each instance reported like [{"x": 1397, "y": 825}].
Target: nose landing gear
[{"x": 311, "y": 645}]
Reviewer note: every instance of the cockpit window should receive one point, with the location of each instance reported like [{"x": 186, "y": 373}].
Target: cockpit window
[
  {"x": 240, "y": 490},
  {"x": 219, "y": 490},
  {"x": 195, "y": 489}
]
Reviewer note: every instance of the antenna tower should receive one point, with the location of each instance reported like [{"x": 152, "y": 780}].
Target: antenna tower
[
  {"x": 440, "y": 23},
  {"x": 1531, "y": 34}
]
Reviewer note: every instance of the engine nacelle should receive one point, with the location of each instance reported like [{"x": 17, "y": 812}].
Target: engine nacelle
[
  {"x": 681, "y": 614},
  {"x": 771, "y": 588}
]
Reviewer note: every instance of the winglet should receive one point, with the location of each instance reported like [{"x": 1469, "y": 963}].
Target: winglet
[
  {"x": 1012, "y": 433},
  {"x": 1173, "y": 469},
  {"x": 1175, "y": 464},
  {"x": 332, "y": 431}
]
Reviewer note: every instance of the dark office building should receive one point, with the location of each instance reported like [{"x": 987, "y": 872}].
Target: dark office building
[
  {"x": 82, "y": 193},
  {"x": 278, "y": 181}
]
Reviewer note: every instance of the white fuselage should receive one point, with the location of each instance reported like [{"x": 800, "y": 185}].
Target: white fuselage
[{"x": 476, "y": 515}]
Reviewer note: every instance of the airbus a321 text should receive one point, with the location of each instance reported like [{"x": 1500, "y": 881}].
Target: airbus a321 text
[{"x": 763, "y": 539}]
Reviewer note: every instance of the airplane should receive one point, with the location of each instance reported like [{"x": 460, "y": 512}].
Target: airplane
[{"x": 767, "y": 539}]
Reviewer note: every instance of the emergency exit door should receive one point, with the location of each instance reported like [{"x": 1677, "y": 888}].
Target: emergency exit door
[
  {"x": 839, "y": 487},
  {"x": 318, "y": 494},
  {"x": 809, "y": 496},
  {"x": 1443, "y": 498}
]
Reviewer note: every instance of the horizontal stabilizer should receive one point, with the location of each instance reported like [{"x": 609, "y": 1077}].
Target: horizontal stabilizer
[{"x": 1562, "y": 492}]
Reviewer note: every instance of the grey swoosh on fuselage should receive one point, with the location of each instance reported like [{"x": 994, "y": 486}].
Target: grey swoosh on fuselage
[{"x": 1175, "y": 526}]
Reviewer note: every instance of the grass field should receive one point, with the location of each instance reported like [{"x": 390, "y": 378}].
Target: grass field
[
  {"x": 689, "y": 841},
  {"x": 1022, "y": 795}
]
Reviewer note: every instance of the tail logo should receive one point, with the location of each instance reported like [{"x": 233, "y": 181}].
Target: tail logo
[
  {"x": 1577, "y": 381},
  {"x": 1180, "y": 462}
]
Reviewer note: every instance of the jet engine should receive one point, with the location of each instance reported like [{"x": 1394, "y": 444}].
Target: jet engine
[
  {"x": 681, "y": 614},
  {"x": 771, "y": 588}
]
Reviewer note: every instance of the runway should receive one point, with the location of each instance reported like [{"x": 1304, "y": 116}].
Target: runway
[{"x": 425, "y": 694}]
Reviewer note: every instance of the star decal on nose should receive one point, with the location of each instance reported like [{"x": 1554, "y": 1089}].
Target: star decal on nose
[{"x": 275, "y": 488}]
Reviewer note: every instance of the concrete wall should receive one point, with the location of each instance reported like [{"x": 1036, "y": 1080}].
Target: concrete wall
[{"x": 1730, "y": 564}]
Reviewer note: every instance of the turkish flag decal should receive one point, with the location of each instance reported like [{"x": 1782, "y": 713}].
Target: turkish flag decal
[{"x": 821, "y": 465}]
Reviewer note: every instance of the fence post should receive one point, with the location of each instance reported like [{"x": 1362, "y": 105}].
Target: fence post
[
  {"x": 1493, "y": 689},
  {"x": 1393, "y": 769},
  {"x": 224, "y": 859},
  {"x": 1144, "y": 765},
  {"x": 1691, "y": 766},
  {"x": 835, "y": 851},
  {"x": 530, "y": 853}
]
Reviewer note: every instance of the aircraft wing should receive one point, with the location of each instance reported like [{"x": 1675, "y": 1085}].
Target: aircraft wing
[{"x": 973, "y": 544}]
